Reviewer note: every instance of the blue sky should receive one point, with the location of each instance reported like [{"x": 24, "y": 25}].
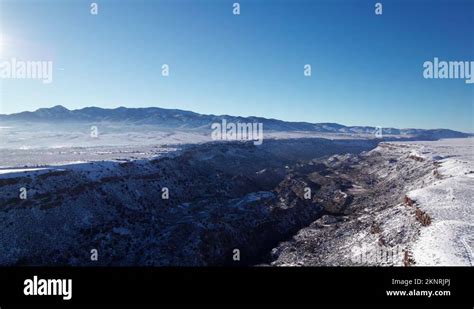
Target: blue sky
[{"x": 366, "y": 69}]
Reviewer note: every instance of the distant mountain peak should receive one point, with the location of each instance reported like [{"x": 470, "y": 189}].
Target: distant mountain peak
[
  {"x": 55, "y": 109},
  {"x": 59, "y": 108}
]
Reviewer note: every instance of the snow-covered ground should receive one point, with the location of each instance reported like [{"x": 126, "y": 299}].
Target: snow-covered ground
[
  {"x": 393, "y": 189},
  {"x": 449, "y": 239},
  {"x": 37, "y": 145}
]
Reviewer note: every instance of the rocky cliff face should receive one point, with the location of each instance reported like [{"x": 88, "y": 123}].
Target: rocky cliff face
[
  {"x": 366, "y": 218},
  {"x": 222, "y": 197}
]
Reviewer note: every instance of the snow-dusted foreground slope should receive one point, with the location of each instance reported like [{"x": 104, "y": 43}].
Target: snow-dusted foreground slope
[
  {"x": 449, "y": 200},
  {"x": 410, "y": 204}
]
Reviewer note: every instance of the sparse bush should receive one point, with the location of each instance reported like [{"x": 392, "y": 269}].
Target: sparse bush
[
  {"x": 375, "y": 228},
  {"x": 408, "y": 201},
  {"x": 416, "y": 158},
  {"x": 408, "y": 259},
  {"x": 422, "y": 217},
  {"x": 437, "y": 174}
]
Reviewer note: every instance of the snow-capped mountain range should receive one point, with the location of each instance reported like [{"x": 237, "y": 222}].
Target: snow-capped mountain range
[{"x": 181, "y": 119}]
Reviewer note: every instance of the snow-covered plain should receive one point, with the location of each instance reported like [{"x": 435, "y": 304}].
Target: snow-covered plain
[
  {"x": 449, "y": 239},
  {"x": 39, "y": 144}
]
